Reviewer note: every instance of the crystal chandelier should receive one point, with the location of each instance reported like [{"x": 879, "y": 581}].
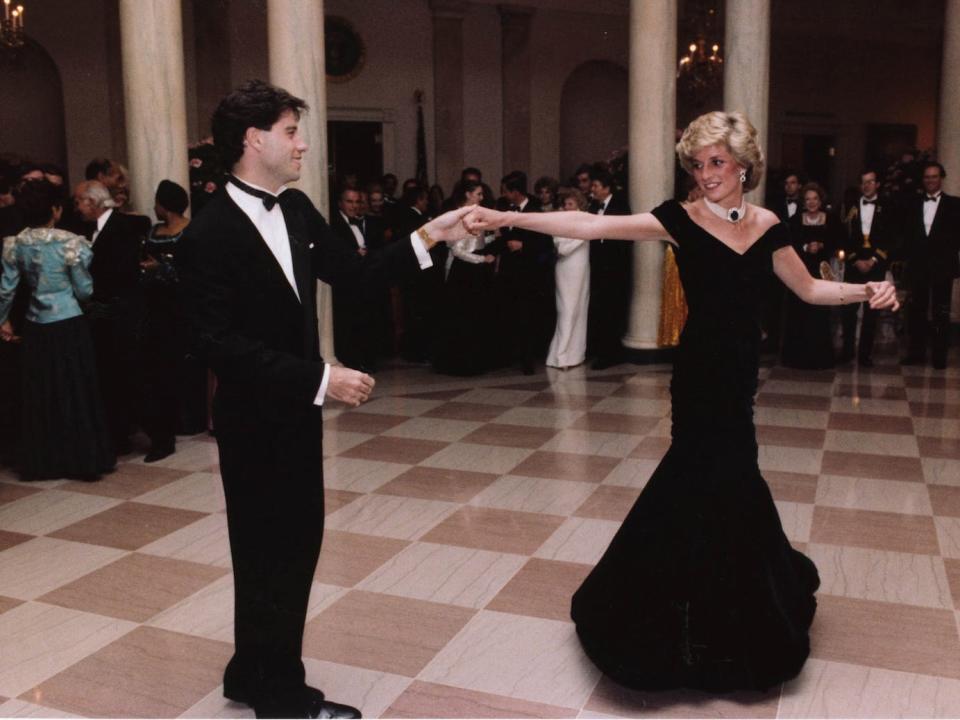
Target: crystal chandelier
[
  {"x": 702, "y": 65},
  {"x": 11, "y": 27}
]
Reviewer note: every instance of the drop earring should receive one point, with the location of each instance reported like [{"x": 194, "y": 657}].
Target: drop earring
[{"x": 743, "y": 176}]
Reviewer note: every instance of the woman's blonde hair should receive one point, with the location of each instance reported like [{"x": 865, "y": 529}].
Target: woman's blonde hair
[
  {"x": 731, "y": 129},
  {"x": 574, "y": 193}
]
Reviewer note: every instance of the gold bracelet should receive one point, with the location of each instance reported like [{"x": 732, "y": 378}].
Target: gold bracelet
[{"x": 425, "y": 236}]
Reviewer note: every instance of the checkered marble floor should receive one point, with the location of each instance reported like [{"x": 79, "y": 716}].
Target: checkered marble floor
[{"x": 461, "y": 516}]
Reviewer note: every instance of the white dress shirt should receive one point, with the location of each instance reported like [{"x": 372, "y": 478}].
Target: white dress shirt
[
  {"x": 866, "y": 215},
  {"x": 101, "y": 221},
  {"x": 357, "y": 233},
  {"x": 930, "y": 210},
  {"x": 273, "y": 228},
  {"x": 792, "y": 206}
]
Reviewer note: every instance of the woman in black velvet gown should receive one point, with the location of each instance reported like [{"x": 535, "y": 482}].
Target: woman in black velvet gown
[{"x": 700, "y": 587}]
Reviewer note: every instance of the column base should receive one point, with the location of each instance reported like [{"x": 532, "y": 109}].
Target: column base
[{"x": 654, "y": 356}]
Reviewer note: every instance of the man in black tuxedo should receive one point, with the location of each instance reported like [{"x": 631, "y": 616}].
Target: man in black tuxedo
[
  {"x": 791, "y": 203},
  {"x": 419, "y": 295},
  {"x": 248, "y": 266},
  {"x": 357, "y": 322},
  {"x": 870, "y": 234},
  {"x": 611, "y": 278},
  {"x": 115, "y": 307},
  {"x": 524, "y": 280},
  {"x": 932, "y": 225},
  {"x": 786, "y": 206}
]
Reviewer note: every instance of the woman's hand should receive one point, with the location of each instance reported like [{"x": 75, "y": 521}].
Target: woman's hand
[
  {"x": 481, "y": 218},
  {"x": 882, "y": 295},
  {"x": 449, "y": 227}
]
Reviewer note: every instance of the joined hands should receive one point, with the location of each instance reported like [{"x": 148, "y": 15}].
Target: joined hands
[{"x": 882, "y": 295}]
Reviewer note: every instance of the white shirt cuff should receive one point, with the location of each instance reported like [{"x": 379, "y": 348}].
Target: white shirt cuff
[
  {"x": 423, "y": 255},
  {"x": 322, "y": 392}
]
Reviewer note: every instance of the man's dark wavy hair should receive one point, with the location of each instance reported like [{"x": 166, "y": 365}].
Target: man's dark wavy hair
[{"x": 255, "y": 104}]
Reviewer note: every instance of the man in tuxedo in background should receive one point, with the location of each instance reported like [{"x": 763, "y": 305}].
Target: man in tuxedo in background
[
  {"x": 357, "y": 324},
  {"x": 248, "y": 266},
  {"x": 611, "y": 278},
  {"x": 420, "y": 294},
  {"x": 114, "y": 310},
  {"x": 870, "y": 234},
  {"x": 772, "y": 322},
  {"x": 932, "y": 228},
  {"x": 582, "y": 180},
  {"x": 525, "y": 280},
  {"x": 791, "y": 203}
]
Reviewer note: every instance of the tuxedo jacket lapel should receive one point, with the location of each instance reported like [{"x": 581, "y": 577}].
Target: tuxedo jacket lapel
[{"x": 278, "y": 279}]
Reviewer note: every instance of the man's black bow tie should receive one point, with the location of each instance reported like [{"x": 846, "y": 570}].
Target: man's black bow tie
[
  {"x": 869, "y": 202},
  {"x": 356, "y": 221},
  {"x": 931, "y": 198},
  {"x": 268, "y": 199}
]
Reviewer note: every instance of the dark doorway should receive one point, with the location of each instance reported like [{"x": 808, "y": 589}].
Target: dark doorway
[
  {"x": 818, "y": 154},
  {"x": 355, "y": 150},
  {"x": 813, "y": 155}
]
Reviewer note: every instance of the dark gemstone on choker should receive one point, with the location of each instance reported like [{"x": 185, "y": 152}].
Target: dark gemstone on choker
[{"x": 733, "y": 215}]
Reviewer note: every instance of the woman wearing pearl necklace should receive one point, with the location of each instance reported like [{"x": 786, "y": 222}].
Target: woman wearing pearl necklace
[{"x": 700, "y": 587}]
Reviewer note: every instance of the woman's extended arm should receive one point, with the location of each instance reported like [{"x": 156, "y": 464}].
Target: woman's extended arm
[
  {"x": 790, "y": 268},
  {"x": 571, "y": 224}
]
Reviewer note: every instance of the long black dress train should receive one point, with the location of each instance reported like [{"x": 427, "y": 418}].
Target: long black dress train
[{"x": 700, "y": 587}]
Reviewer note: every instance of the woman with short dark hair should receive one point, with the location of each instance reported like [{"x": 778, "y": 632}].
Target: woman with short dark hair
[
  {"x": 160, "y": 346},
  {"x": 63, "y": 430}
]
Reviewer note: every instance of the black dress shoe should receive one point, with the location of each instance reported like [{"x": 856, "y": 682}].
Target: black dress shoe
[
  {"x": 308, "y": 702},
  {"x": 158, "y": 453}
]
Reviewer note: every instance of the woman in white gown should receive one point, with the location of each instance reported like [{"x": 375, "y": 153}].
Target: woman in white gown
[{"x": 569, "y": 345}]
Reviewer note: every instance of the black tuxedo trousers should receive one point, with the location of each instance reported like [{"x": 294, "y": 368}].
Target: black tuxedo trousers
[{"x": 273, "y": 483}]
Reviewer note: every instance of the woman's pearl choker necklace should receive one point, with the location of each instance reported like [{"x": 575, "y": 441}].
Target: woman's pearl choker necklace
[{"x": 733, "y": 215}]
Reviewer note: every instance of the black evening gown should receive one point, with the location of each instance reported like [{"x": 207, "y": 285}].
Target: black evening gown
[
  {"x": 807, "y": 340},
  {"x": 700, "y": 587}
]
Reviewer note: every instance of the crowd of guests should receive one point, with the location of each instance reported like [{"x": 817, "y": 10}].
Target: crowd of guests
[
  {"x": 88, "y": 310},
  {"x": 515, "y": 298},
  {"x": 88, "y": 300},
  {"x": 897, "y": 225}
]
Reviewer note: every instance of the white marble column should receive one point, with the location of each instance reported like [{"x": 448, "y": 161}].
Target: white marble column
[
  {"x": 653, "y": 111},
  {"x": 298, "y": 64},
  {"x": 746, "y": 74},
  {"x": 151, "y": 46},
  {"x": 948, "y": 123}
]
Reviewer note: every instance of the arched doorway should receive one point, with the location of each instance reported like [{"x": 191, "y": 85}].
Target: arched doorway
[
  {"x": 31, "y": 106},
  {"x": 594, "y": 114}
]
